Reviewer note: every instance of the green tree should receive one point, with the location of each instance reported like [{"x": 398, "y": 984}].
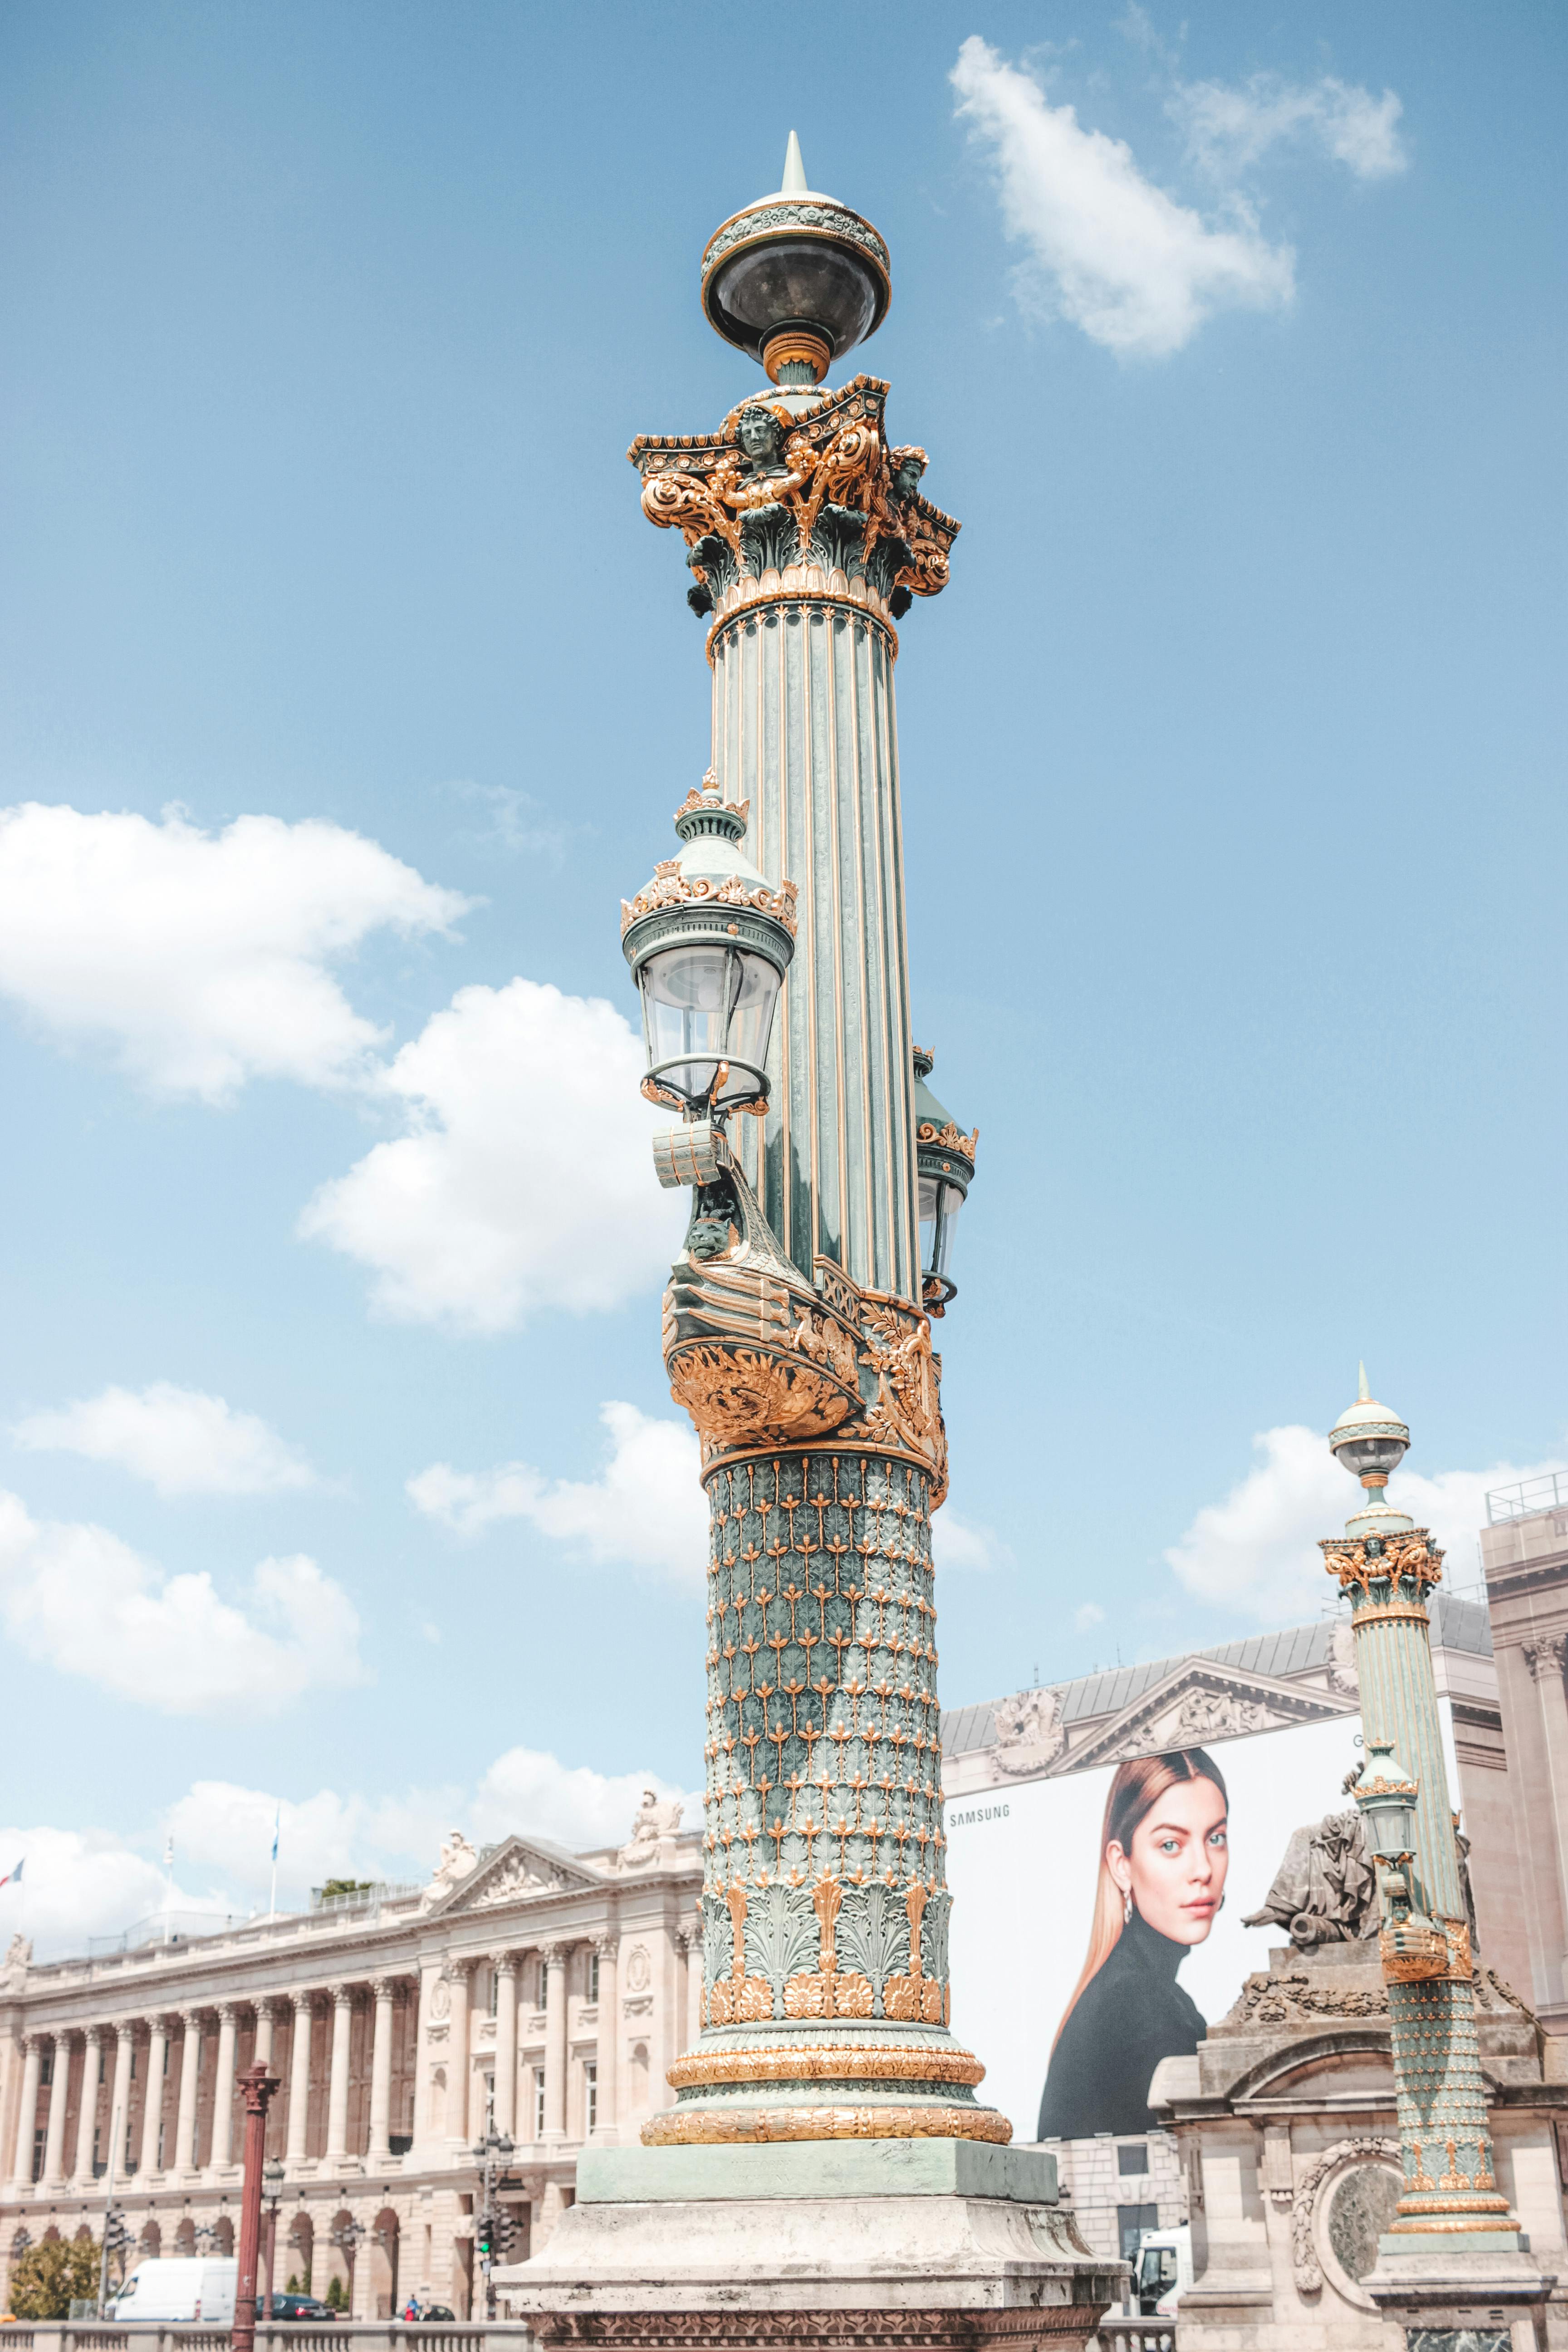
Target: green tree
[
  {"x": 346, "y": 1886},
  {"x": 335, "y": 2295},
  {"x": 293, "y": 2286},
  {"x": 45, "y": 2279}
]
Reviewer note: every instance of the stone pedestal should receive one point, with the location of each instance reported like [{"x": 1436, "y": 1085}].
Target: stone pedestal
[
  {"x": 939, "y": 2243},
  {"x": 1451, "y": 2296}
]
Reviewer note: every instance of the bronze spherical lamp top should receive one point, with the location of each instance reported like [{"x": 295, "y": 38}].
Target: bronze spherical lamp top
[{"x": 796, "y": 278}]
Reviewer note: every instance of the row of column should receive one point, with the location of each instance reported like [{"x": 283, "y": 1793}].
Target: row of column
[
  {"x": 183, "y": 2160},
  {"x": 553, "y": 1961}
]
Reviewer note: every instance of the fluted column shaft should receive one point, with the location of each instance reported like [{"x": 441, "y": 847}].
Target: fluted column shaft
[
  {"x": 299, "y": 2079},
  {"x": 54, "y": 2175},
  {"x": 552, "y": 1957},
  {"x": 693, "y": 1988},
  {"x": 87, "y": 2107},
  {"x": 804, "y": 728},
  {"x": 608, "y": 2102},
  {"x": 119, "y": 2100},
  {"x": 458, "y": 1972},
  {"x": 338, "y": 2081},
  {"x": 382, "y": 1993},
  {"x": 190, "y": 2070},
  {"x": 505, "y": 1964},
  {"x": 28, "y": 2112},
  {"x": 152, "y": 2098},
  {"x": 222, "y": 2087}
]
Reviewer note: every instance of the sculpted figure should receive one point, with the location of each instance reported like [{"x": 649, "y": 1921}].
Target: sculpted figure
[
  {"x": 652, "y": 1821},
  {"x": 18, "y": 1955},
  {"x": 1325, "y": 1890}
]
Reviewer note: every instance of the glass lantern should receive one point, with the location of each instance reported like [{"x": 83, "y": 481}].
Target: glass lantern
[
  {"x": 1386, "y": 1795},
  {"x": 945, "y": 1171},
  {"x": 709, "y": 941}
]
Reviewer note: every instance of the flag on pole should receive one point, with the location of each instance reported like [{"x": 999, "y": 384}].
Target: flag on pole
[
  {"x": 14, "y": 1877},
  {"x": 276, "y": 1825}
]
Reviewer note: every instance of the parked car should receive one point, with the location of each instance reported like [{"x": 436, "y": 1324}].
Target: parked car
[
  {"x": 298, "y": 2307},
  {"x": 436, "y": 2311}
]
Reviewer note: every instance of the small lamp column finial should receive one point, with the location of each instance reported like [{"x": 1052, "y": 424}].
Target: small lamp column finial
[{"x": 795, "y": 181}]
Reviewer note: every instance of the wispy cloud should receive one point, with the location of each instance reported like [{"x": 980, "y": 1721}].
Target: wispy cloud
[
  {"x": 201, "y": 959},
  {"x": 1257, "y": 1548},
  {"x": 646, "y": 1509},
  {"x": 523, "y": 1181},
  {"x": 77, "y": 1598},
  {"x": 1231, "y": 126},
  {"x": 181, "y": 1441},
  {"x": 518, "y": 824},
  {"x": 1109, "y": 250}
]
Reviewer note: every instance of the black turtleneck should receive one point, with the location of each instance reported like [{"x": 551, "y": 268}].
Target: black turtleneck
[{"x": 1129, "y": 2015}]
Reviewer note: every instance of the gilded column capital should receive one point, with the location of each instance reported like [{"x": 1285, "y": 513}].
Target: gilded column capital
[
  {"x": 799, "y": 495},
  {"x": 1385, "y": 1576}
]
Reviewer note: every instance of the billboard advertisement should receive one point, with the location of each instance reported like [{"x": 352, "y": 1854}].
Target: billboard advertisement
[{"x": 1098, "y": 1916}]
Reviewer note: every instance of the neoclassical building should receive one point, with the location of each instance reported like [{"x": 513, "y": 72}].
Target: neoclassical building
[{"x": 543, "y": 1992}]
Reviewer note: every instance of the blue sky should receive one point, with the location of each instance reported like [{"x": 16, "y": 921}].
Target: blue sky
[{"x": 1231, "y": 764}]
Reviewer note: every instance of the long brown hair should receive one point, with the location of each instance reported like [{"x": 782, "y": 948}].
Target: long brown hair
[{"x": 1136, "y": 1789}]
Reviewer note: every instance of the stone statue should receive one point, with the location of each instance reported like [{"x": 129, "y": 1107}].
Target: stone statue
[
  {"x": 1029, "y": 1734},
  {"x": 19, "y": 1956},
  {"x": 1325, "y": 1890},
  {"x": 1342, "y": 1674},
  {"x": 908, "y": 463},
  {"x": 457, "y": 1861},
  {"x": 652, "y": 1821}
]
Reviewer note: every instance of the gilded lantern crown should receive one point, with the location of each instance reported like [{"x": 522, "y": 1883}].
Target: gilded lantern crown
[
  {"x": 1370, "y": 1442},
  {"x": 796, "y": 278}
]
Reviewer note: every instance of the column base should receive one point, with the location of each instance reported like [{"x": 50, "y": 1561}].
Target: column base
[
  {"x": 738, "y": 2245},
  {"x": 1477, "y": 2292}
]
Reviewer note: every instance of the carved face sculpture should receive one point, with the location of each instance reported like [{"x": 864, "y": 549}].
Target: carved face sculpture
[
  {"x": 907, "y": 476},
  {"x": 1176, "y": 1867},
  {"x": 760, "y": 436}
]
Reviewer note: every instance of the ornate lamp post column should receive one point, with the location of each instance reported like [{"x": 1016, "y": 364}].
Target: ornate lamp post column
[
  {"x": 798, "y": 1330},
  {"x": 826, "y": 2170},
  {"x": 1454, "y": 2242}
]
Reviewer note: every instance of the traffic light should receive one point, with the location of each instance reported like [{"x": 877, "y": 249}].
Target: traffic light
[{"x": 485, "y": 2233}]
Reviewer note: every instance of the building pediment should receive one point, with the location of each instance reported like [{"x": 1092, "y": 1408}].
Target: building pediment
[
  {"x": 1201, "y": 1700},
  {"x": 519, "y": 1870}
]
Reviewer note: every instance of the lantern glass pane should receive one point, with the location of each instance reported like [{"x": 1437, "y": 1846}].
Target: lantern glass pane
[
  {"x": 1360, "y": 1454},
  {"x": 703, "y": 1005},
  {"x": 952, "y": 1202}
]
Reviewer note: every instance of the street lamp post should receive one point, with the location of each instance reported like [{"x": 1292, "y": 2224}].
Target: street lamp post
[
  {"x": 818, "y": 2173},
  {"x": 346, "y": 2237},
  {"x": 1454, "y": 2241},
  {"x": 492, "y": 2226},
  {"x": 272, "y": 2187},
  {"x": 256, "y": 2086}
]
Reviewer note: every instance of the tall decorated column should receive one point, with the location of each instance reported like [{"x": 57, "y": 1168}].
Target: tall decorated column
[
  {"x": 826, "y": 2172},
  {"x": 1454, "y": 2241},
  {"x": 797, "y": 1325}
]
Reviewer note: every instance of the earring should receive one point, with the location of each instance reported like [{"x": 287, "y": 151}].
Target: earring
[{"x": 1126, "y": 1910}]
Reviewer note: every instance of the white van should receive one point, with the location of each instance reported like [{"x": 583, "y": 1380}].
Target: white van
[
  {"x": 179, "y": 2287},
  {"x": 1161, "y": 2270}
]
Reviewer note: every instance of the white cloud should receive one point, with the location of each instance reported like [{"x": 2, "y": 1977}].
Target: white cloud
[
  {"x": 578, "y": 1807},
  {"x": 1257, "y": 1549},
  {"x": 180, "y": 1439},
  {"x": 1087, "y": 1615},
  {"x": 1110, "y": 252},
  {"x": 75, "y": 1597},
  {"x": 646, "y": 1508},
  {"x": 229, "y": 1830},
  {"x": 76, "y": 1883},
  {"x": 525, "y": 1179},
  {"x": 959, "y": 1544},
  {"x": 200, "y": 959},
  {"x": 1228, "y": 128}
]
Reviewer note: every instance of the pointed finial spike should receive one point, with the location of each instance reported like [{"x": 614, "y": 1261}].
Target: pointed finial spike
[
  {"x": 1364, "y": 1394},
  {"x": 794, "y": 179}
]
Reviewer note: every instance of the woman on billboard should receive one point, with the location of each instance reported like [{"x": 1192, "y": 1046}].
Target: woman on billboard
[{"x": 1163, "y": 1860}]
